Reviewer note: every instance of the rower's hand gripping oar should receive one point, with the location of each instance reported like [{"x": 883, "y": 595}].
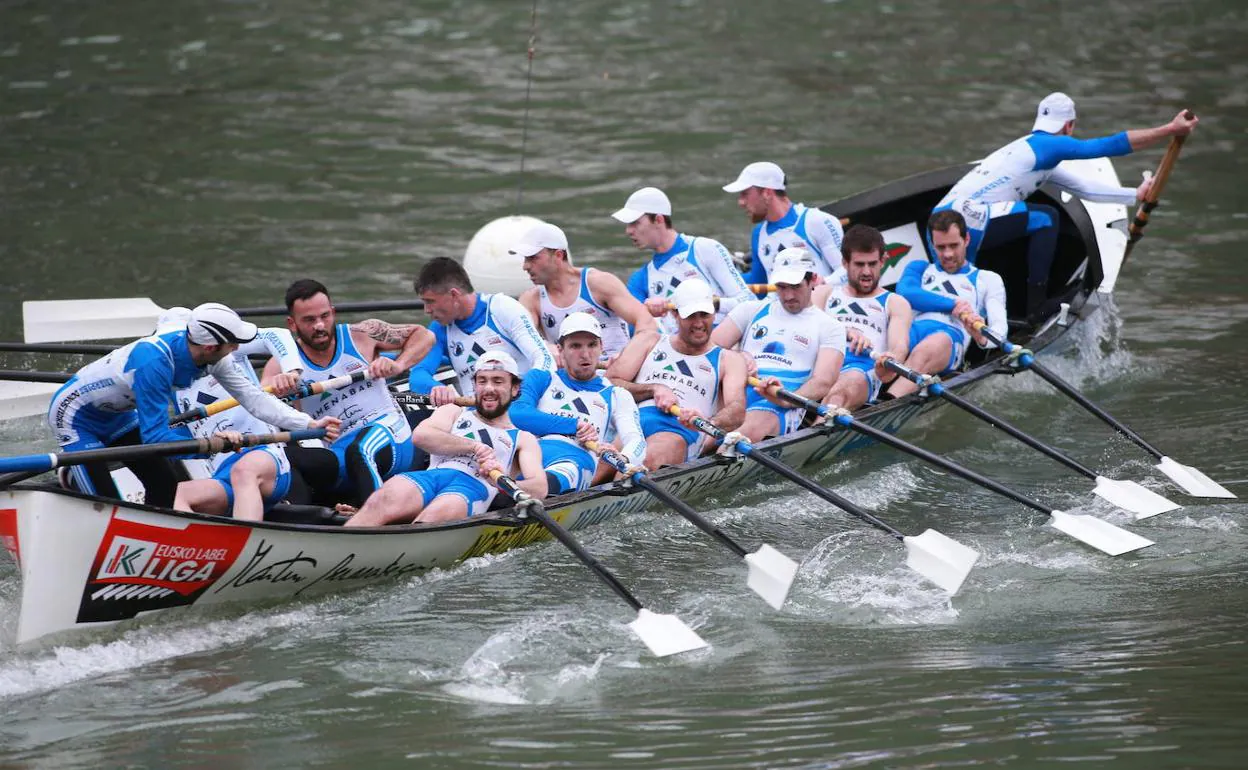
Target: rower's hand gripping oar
[
  {"x": 663, "y": 634},
  {"x": 1095, "y": 532},
  {"x": 1188, "y": 478},
  {"x": 305, "y": 389},
  {"x": 1128, "y": 495},
  {"x": 770, "y": 573},
  {"x": 1136, "y": 230},
  {"x": 940, "y": 559}
]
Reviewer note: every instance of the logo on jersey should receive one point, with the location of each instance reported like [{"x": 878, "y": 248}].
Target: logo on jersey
[
  {"x": 576, "y": 405},
  {"x": 760, "y": 332},
  {"x": 660, "y": 355},
  {"x": 803, "y": 341},
  {"x": 679, "y": 366},
  {"x": 548, "y": 320},
  {"x": 458, "y": 350},
  {"x": 775, "y": 348},
  {"x": 557, "y": 395},
  {"x": 463, "y": 425}
]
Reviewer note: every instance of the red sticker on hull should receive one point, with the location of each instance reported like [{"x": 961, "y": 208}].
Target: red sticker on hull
[{"x": 8, "y": 534}]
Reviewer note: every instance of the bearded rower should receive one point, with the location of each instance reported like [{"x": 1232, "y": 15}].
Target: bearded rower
[
  {"x": 876, "y": 321},
  {"x": 789, "y": 342},
  {"x": 575, "y": 406},
  {"x": 949, "y": 297},
  {"x": 376, "y": 441},
  {"x": 465, "y": 444},
  {"x": 684, "y": 369},
  {"x": 563, "y": 289}
]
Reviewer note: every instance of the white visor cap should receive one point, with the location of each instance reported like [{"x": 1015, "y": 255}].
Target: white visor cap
[
  {"x": 172, "y": 320},
  {"x": 762, "y": 174},
  {"x": 791, "y": 266},
  {"x": 693, "y": 296},
  {"x": 542, "y": 235},
  {"x": 580, "y": 322},
  {"x": 497, "y": 360},
  {"x": 215, "y": 324},
  {"x": 1053, "y": 112},
  {"x": 647, "y": 200}
]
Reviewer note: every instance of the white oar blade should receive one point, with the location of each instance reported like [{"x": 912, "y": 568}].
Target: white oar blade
[
  {"x": 89, "y": 319},
  {"x": 940, "y": 559},
  {"x": 23, "y": 399},
  {"x": 1133, "y": 497},
  {"x": 1098, "y": 533},
  {"x": 665, "y": 634},
  {"x": 1191, "y": 480},
  {"x": 770, "y": 574}
]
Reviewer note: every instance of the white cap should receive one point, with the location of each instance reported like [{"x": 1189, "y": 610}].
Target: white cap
[
  {"x": 647, "y": 200},
  {"x": 215, "y": 324},
  {"x": 762, "y": 174},
  {"x": 580, "y": 322},
  {"x": 172, "y": 320},
  {"x": 791, "y": 266},
  {"x": 693, "y": 296},
  {"x": 1053, "y": 112},
  {"x": 496, "y": 360},
  {"x": 542, "y": 235}
]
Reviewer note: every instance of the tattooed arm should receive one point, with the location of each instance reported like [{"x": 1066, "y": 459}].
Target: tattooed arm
[{"x": 371, "y": 337}]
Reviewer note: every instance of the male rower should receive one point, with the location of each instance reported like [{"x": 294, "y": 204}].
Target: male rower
[
  {"x": 574, "y": 406},
  {"x": 684, "y": 369},
  {"x": 949, "y": 298},
  {"x": 123, "y": 399},
  {"x": 563, "y": 289},
  {"x": 466, "y": 325},
  {"x": 780, "y": 223},
  {"x": 992, "y": 197},
  {"x": 677, "y": 257},
  {"x": 789, "y": 342},
  {"x": 376, "y": 440},
  {"x": 877, "y": 322},
  {"x": 465, "y": 444}
]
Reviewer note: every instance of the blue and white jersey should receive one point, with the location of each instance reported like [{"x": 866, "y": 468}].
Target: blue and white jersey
[
  {"x": 497, "y": 322},
  {"x": 359, "y": 404},
  {"x": 690, "y": 257},
  {"x": 785, "y": 345},
  {"x": 614, "y": 329},
  {"x": 816, "y": 230},
  {"x": 1021, "y": 167},
  {"x": 550, "y": 408},
  {"x": 694, "y": 379},
  {"x": 469, "y": 425},
  {"x": 932, "y": 294},
  {"x": 866, "y": 315}
]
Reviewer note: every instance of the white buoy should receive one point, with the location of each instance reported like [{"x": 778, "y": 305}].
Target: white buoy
[{"x": 486, "y": 259}]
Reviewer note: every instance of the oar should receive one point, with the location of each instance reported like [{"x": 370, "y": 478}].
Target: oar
[
  {"x": 940, "y": 559},
  {"x": 305, "y": 389},
  {"x": 1136, "y": 231},
  {"x": 202, "y": 446},
  {"x": 23, "y": 399},
  {"x": 101, "y": 319},
  {"x": 1098, "y": 533},
  {"x": 1188, "y": 478},
  {"x": 663, "y": 634},
  {"x": 770, "y": 573},
  {"x": 85, "y": 349},
  {"x": 1128, "y": 495},
  {"x": 17, "y": 375},
  {"x": 755, "y": 288}
]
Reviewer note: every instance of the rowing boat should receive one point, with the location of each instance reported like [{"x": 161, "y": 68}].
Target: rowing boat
[{"x": 89, "y": 563}]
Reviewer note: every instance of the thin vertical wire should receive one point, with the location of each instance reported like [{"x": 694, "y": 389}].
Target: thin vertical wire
[{"x": 528, "y": 93}]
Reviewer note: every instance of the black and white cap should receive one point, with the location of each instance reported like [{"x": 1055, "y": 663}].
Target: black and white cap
[{"x": 215, "y": 324}]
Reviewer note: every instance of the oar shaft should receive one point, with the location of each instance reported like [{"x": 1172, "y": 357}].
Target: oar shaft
[
  {"x": 1142, "y": 214},
  {"x": 305, "y": 390},
  {"x": 341, "y": 307},
  {"x": 17, "y": 375}
]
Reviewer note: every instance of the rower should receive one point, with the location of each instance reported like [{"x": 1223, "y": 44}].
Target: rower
[
  {"x": 949, "y": 298},
  {"x": 789, "y": 342},
  {"x": 576, "y": 406},
  {"x": 563, "y": 289},
  {"x": 677, "y": 258},
  {"x": 780, "y": 223},
  {"x": 877, "y": 322},
  {"x": 376, "y": 440},
  {"x": 465, "y": 444},
  {"x": 992, "y": 196},
  {"x": 466, "y": 325},
  {"x": 123, "y": 399},
  {"x": 684, "y": 369}
]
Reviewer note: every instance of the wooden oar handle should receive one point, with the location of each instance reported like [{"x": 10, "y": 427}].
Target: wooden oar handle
[
  {"x": 216, "y": 444},
  {"x": 701, "y": 423},
  {"x": 305, "y": 390},
  {"x": 1142, "y": 213},
  {"x": 755, "y": 288}
]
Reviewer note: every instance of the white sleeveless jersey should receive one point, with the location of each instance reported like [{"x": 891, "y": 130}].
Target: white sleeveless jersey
[
  {"x": 614, "y": 328},
  {"x": 785, "y": 345},
  {"x": 955, "y": 286},
  {"x": 703, "y": 258},
  {"x": 207, "y": 390},
  {"x": 469, "y": 425},
  {"x": 866, "y": 315},
  {"x": 590, "y": 405},
  {"x": 694, "y": 379},
  {"x": 358, "y": 404},
  {"x": 507, "y": 327},
  {"x": 817, "y": 231}
]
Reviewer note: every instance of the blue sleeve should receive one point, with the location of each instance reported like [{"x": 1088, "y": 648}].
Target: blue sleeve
[
  {"x": 923, "y": 301},
  {"x": 420, "y": 377},
  {"x": 1051, "y": 150},
  {"x": 153, "y": 387},
  {"x": 757, "y": 273},
  {"x": 637, "y": 284},
  {"x": 525, "y": 415}
]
